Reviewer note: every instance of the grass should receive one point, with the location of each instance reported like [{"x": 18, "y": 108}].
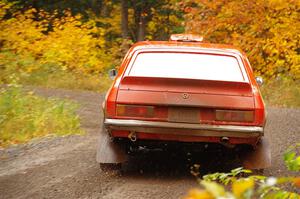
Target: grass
[
  {"x": 27, "y": 70},
  {"x": 67, "y": 80},
  {"x": 61, "y": 79},
  {"x": 283, "y": 92},
  {"x": 24, "y": 116}
]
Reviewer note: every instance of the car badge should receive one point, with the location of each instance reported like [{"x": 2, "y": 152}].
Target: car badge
[{"x": 185, "y": 96}]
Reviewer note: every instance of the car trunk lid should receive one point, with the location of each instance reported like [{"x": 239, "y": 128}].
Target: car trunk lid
[{"x": 185, "y": 92}]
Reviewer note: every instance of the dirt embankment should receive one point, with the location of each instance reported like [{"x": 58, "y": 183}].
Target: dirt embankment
[{"x": 65, "y": 167}]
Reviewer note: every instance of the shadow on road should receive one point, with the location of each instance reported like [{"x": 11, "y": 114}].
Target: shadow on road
[{"x": 172, "y": 163}]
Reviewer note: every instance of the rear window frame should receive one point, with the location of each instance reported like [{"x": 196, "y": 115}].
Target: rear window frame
[{"x": 192, "y": 51}]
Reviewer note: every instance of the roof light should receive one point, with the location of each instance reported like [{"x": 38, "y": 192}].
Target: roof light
[{"x": 186, "y": 37}]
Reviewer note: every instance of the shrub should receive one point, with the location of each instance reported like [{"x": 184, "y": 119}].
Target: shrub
[
  {"x": 34, "y": 40},
  {"x": 253, "y": 186},
  {"x": 216, "y": 185}
]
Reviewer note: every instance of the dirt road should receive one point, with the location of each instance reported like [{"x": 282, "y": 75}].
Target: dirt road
[{"x": 65, "y": 167}]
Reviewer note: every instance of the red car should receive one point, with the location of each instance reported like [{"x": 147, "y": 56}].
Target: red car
[{"x": 183, "y": 91}]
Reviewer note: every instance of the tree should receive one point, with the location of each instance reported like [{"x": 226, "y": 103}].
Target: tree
[
  {"x": 124, "y": 18},
  {"x": 267, "y": 30}
]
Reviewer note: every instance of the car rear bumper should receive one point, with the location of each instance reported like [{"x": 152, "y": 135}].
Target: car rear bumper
[{"x": 184, "y": 129}]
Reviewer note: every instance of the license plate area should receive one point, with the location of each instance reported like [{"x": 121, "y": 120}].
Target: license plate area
[{"x": 184, "y": 114}]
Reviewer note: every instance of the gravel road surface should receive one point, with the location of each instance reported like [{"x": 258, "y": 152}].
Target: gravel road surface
[{"x": 65, "y": 167}]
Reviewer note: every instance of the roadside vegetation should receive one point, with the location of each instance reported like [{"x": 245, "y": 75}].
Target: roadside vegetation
[
  {"x": 71, "y": 44},
  {"x": 68, "y": 56},
  {"x": 233, "y": 186},
  {"x": 24, "y": 116},
  {"x": 282, "y": 92}
]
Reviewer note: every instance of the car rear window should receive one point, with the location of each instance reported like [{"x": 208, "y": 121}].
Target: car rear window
[{"x": 187, "y": 65}]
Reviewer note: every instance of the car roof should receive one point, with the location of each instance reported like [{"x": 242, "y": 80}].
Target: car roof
[{"x": 186, "y": 45}]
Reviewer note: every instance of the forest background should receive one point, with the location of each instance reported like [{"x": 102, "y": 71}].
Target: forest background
[{"x": 73, "y": 43}]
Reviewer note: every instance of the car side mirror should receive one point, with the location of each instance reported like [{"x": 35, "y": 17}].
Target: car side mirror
[
  {"x": 259, "y": 80},
  {"x": 112, "y": 73}
]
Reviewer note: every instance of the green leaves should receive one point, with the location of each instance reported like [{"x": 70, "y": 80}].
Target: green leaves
[
  {"x": 292, "y": 158},
  {"x": 226, "y": 178},
  {"x": 216, "y": 185}
]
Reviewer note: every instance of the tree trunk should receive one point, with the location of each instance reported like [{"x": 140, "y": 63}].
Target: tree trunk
[
  {"x": 141, "y": 27},
  {"x": 124, "y": 18},
  {"x": 95, "y": 5},
  {"x": 104, "y": 9}
]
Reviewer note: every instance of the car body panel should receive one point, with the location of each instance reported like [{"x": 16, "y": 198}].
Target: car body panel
[
  {"x": 176, "y": 99},
  {"x": 205, "y": 95}
]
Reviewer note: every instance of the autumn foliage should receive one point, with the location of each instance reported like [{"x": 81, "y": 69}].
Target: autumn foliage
[
  {"x": 232, "y": 186},
  {"x": 267, "y": 30},
  {"x": 38, "y": 42},
  {"x": 63, "y": 42},
  {"x": 72, "y": 44}
]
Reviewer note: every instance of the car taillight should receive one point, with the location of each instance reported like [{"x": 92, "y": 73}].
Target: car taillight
[
  {"x": 135, "y": 111},
  {"x": 110, "y": 102},
  {"x": 234, "y": 116}
]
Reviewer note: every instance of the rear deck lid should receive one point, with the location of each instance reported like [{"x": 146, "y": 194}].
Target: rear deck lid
[{"x": 185, "y": 92}]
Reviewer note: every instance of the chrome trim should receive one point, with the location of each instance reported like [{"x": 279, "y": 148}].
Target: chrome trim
[{"x": 196, "y": 129}]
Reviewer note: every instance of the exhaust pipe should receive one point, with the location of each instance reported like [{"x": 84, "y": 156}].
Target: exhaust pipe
[
  {"x": 224, "y": 139},
  {"x": 225, "y": 142},
  {"x": 132, "y": 136}
]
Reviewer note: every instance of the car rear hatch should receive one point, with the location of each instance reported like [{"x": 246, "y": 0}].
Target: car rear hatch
[{"x": 185, "y": 100}]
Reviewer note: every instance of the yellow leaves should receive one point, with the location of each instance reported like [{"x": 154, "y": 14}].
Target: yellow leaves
[
  {"x": 243, "y": 188},
  {"x": 71, "y": 45},
  {"x": 30, "y": 69},
  {"x": 296, "y": 182},
  {"x": 267, "y": 30},
  {"x": 4, "y": 7},
  {"x": 214, "y": 189},
  {"x": 152, "y": 26},
  {"x": 78, "y": 17},
  {"x": 278, "y": 4},
  {"x": 199, "y": 194},
  {"x": 21, "y": 32},
  {"x": 239, "y": 187}
]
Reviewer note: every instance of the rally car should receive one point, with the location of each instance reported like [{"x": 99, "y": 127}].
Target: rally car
[{"x": 183, "y": 91}]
